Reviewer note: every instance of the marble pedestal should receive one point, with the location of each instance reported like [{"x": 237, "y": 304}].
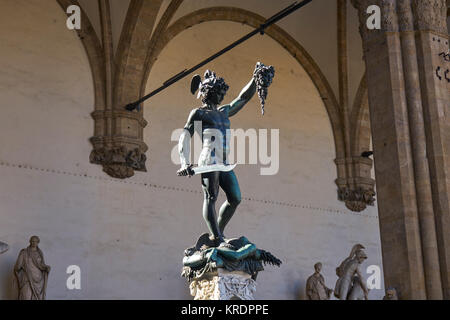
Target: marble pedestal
[{"x": 223, "y": 285}]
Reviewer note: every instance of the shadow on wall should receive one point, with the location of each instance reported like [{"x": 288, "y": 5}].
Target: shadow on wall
[
  {"x": 300, "y": 289},
  {"x": 8, "y": 290},
  {"x": 296, "y": 288}
]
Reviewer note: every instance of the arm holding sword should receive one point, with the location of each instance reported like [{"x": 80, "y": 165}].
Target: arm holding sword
[{"x": 184, "y": 146}]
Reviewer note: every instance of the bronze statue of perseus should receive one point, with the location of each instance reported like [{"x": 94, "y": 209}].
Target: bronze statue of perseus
[{"x": 212, "y": 164}]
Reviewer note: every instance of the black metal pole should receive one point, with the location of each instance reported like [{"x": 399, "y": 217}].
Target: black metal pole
[{"x": 275, "y": 18}]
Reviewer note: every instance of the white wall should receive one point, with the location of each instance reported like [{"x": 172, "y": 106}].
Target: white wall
[{"x": 128, "y": 236}]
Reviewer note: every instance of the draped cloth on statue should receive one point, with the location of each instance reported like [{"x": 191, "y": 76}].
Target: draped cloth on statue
[
  {"x": 31, "y": 274},
  {"x": 316, "y": 289}
]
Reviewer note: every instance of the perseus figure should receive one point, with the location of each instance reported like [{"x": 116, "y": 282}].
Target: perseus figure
[{"x": 215, "y": 124}]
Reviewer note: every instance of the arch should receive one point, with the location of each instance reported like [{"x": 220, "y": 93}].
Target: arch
[
  {"x": 360, "y": 120},
  {"x": 132, "y": 49},
  {"x": 279, "y": 35},
  {"x": 156, "y": 36},
  {"x": 94, "y": 53}
]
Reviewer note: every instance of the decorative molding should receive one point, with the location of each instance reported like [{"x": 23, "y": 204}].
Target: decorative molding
[
  {"x": 430, "y": 15},
  {"x": 405, "y": 15},
  {"x": 204, "y": 289},
  {"x": 236, "y": 286},
  {"x": 224, "y": 286},
  {"x": 356, "y": 199},
  {"x": 389, "y": 21},
  {"x": 119, "y": 162}
]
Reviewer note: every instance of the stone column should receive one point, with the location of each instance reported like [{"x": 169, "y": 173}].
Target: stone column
[
  {"x": 223, "y": 285},
  {"x": 432, "y": 38},
  {"x": 408, "y": 219},
  {"x": 355, "y": 185},
  {"x": 418, "y": 148}
]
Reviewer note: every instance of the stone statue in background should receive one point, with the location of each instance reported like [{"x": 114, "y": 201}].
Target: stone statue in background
[
  {"x": 31, "y": 272},
  {"x": 3, "y": 247},
  {"x": 315, "y": 285},
  {"x": 391, "y": 294},
  {"x": 351, "y": 284}
]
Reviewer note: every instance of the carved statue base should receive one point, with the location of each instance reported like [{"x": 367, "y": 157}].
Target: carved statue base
[
  {"x": 224, "y": 272},
  {"x": 223, "y": 285}
]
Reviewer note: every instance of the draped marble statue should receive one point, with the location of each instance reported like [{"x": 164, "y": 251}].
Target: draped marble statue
[
  {"x": 31, "y": 272},
  {"x": 315, "y": 285}
]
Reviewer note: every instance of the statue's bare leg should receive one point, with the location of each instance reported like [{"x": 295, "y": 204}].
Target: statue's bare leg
[
  {"x": 229, "y": 184},
  {"x": 210, "y": 186},
  {"x": 344, "y": 288}
]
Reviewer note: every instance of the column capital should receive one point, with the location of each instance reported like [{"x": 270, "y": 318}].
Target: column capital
[
  {"x": 430, "y": 15},
  {"x": 404, "y": 15},
  {"x": 389, "y": 21}
]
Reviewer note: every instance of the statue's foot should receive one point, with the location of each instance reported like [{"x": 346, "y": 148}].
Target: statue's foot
[
  {"x": 220, "y": 242},
  {"x": 227, "y": 245}
]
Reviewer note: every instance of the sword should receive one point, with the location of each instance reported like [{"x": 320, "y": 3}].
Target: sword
[
  {"x": 204, "y": 169},
  {"x": 214, "y": 167}
]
